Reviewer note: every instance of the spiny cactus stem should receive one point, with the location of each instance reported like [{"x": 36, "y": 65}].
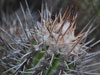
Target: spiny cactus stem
[
  {"x": 24, "y": 30},
  {"x": 94, "y": 44},
  {"x": 89, "y": 23},
  {"x": 51, "y": 59},
  {"x": 45, "y": 63},
  {"x": 73, "y": 48},
  {"x": 51, "y": 35},
  {"x": 80, "y": 39},
  {"x": 20, "y": 66},
  {"x": 12, "y": 39}
]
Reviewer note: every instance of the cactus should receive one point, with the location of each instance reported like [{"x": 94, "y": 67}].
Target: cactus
[{"x": 47, "y": 47}]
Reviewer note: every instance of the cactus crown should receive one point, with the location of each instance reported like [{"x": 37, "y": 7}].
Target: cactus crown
[
  {"x": 50, "y": 47},
  {"x": 60, "y": 32}
]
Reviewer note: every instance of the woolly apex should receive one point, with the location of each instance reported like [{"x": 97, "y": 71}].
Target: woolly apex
[{"x": 60, "y": 32}]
